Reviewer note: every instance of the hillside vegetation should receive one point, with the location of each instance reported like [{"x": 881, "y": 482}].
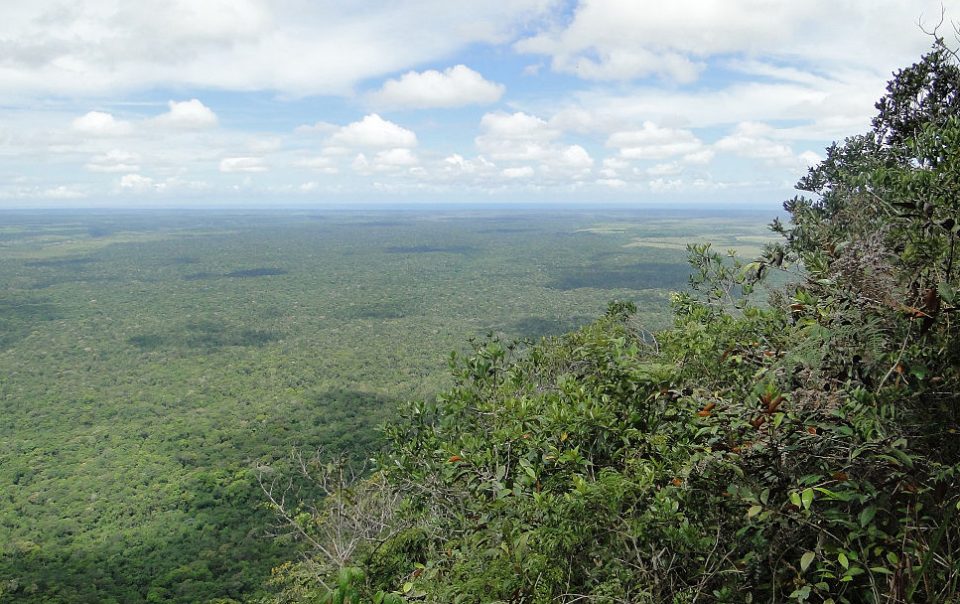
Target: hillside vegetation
[
  {"x": 148, "y": 357},
  {"x": 797, "y": 446}
]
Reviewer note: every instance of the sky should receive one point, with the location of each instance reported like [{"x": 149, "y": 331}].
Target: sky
[{"x": 200, "y": 103}]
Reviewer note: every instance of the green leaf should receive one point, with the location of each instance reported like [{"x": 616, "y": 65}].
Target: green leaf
[
  {"x": 867, "y": 515},
  {"x": 807, "y": 498},
  {"x": 842, "y": 559},
  {"x": 892, "y": 558},
  {"x": 806, "y": 559},
  {"x": 408, "y": 587},
  {"x": 795, "y": 498},
  {"x": 754, "y": 510},
  {"x": 947, "y": 293}
]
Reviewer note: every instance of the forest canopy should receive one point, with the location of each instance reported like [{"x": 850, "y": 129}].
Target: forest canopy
[{"x": 792, "y": 442}]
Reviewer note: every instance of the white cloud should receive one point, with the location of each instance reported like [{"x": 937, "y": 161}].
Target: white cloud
[
  {"x": 456, "y": 165},
  {"x": 778, "y": 91},
  {"x": 321, "y": 164},
  {"x": 242, "y": 164},
  {"x": 62, "y": 192},
  {"x": 187, "y": 115},
  {"x": 809, "y": 158},
  {"x": 575, "y": 157},
  {"x": 613, "y": 183},
  {"x": 454, "y": 87},
  {"x": 523, "y": 137},
  {"x": 101, "y": 124},
  {"x": 389, "y": 160},
  {"x": 623, "y": 40},
  {"x": 374, "y": 132},
  {"x": 704, "y": 156},
  {"x": 360, "y": 163},
  {"x": 519, "y": 172},
  {"x": 755, "y": 140},
  {"x": 668, "y": 169},
  {"x": 100, "y": 47},
  {"x": 395, "y": 158},
  {"x": 114, "y": 160},
  {"x": 320, "y": 127},
  {"x": 515, "y": 136},
  {"x": 663, "y": 185},
  {"x": 653, "y": 142},
  {"x": 136, "y": 182}
]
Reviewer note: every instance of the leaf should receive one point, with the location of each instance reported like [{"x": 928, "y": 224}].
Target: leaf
[
  {"x": 867, "y": 515},
  {"x": 806, "y": 559},
  {"x": 408, "y": 587},
  {"x": 842, "y": 559},
  {"x": 807, "y": 498},
  {"x": 947, "y": 293},
  {"x": 754, "y": 510},
  {"x": 795, "y": 498}
]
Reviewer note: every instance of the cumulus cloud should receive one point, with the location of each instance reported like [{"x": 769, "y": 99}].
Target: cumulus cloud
[
  {"x": 242, "y": 164},
  {"x": 395, "y": 158},
  {"x": 99, "y": 123},
  {"x": 388, "y": 160},
  {"x": 618, "y": 40},
  {"x": 62, "y": 192},
  {"x": 654, "y": 142},
  {"x": 320, "y": 164},
  {"x": 114, "y": 161},
  {"x": 518, "y": 172},
  {"x": 756, "y": 140},
  {"x": 374, "y": 132},
  {"x": 456, "y": 165},
  {"x": 777, "y": 88},
  {"x": 668, "y": 169},
  {"x": 515, "y": 136},
  {"x": 187, "y": 115},
  {"x": 136, "y": 182},
  {"x": 521, "y": 137},
  {"x": 613, "y": 183},
  {"x": 575, "y": 157},
  {"x": 320, "y": 127},
  {"x": 701, "y": 157},
  {"x": 454, "y": 87},
  {"x": 99, "y": 47}
]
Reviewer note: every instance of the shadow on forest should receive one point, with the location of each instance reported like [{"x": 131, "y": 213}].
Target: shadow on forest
[
  {"x": 263, "y": 271},
  {"x": 62, "y": 262},
  {"x": 429, "y": 249},
  {"x": 656, "y": 275},
  {"x": 534, "y": 328},
  {"x": 205, "y": 335},
  {"x": 18, "y": 317}
]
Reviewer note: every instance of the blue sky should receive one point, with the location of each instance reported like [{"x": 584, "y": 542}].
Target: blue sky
[{"x": 298, "y": 102}]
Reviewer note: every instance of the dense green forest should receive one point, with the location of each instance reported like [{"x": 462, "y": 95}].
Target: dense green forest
[
  {"x": 150, "y": 360},
  {"x": 796, "y": 445}
]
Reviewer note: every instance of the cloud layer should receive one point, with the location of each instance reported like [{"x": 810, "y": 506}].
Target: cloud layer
[{"x": 187, "y": 101}]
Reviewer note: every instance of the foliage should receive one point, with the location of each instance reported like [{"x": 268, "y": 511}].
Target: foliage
[
  {"x": 150, "y": 359},
  {"x": 803, "y": 448}
]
